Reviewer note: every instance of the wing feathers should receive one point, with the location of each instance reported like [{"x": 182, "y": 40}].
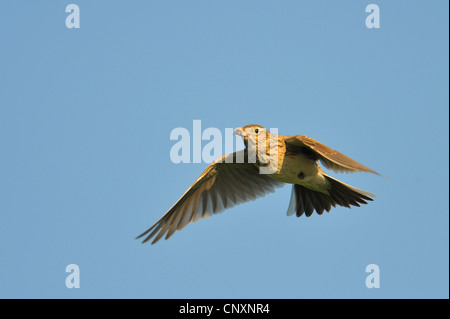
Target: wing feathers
[
  {"x": 221, "y": 186},
  {"x": 329, "y": 157}
]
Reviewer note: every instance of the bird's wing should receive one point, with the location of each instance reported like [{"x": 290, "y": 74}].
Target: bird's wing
[
  {"x": 222, "y": 185},
  {"x": 330, "y": 158}
]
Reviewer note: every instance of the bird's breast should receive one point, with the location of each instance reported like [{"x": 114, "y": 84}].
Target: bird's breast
[{"x": 296, "y": 169}]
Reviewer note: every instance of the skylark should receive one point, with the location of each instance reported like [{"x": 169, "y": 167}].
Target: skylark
[{"x": 239, "y": 177}]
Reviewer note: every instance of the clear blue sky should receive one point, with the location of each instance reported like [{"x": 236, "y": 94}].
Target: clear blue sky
[{"x": 85, "y": 120}]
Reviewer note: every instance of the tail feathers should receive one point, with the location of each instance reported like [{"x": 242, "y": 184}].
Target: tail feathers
[{"x": 306, "y": 201}]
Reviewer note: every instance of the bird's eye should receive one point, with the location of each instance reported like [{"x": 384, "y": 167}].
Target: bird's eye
[{"x": 256, "y": 130}]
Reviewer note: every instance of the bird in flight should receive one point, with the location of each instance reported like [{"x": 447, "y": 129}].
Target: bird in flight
[{"x": 269, "y": 161}]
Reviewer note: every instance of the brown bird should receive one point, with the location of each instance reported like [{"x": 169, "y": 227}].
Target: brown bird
[{"x": 267, "y": 162}]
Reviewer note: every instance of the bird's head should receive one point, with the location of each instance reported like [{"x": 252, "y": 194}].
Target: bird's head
[
  {"x": 258, "y": 138},
  {"x": 251, "y": 133}
]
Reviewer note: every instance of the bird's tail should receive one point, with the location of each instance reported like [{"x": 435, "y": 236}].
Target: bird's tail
[{"x": 305, "y": 200}]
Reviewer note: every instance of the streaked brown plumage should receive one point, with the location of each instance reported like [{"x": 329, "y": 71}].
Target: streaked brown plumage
[{"x": 234, "y": 179}]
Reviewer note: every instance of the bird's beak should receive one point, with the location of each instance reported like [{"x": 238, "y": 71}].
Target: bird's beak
[{"x": 239, "y": 131}]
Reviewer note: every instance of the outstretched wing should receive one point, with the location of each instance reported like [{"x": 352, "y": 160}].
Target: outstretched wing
[
  {"x": 329, "y": 157},
  {"x": 222, "y": 185}
]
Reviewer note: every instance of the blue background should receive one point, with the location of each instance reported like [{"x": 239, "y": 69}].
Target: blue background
[{"x": 85, "y": 120}]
